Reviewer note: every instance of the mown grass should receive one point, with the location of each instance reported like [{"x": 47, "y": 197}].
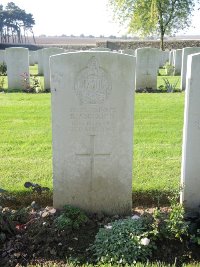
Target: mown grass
[
  {"x": 174, "y": 80},
  {"x": 25, "y": 141},
  {"x": 157, "y": 143}
]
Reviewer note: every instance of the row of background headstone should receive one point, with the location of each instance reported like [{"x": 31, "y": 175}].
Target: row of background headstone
[
  {"x": 66, "y": 69},
  {"x": 92, "y": 168},
  {"x": 148, "y": 62},
  {"x": 42, "y": 56}
]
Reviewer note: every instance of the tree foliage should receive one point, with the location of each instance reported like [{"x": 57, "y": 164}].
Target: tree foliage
[
  {"x": 15, "y": 23},
  {"x": 154, "y": 16}
]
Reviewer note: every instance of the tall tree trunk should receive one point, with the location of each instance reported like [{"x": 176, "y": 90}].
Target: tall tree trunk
[
  {"x": 162, "y": 40},
  {"x": 33, "y": 36},
  {"x": 24, "y": 35},
  {"x": 13, "y": 40}
]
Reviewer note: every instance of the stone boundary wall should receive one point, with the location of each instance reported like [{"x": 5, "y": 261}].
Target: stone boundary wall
[
  {"x": 174, "y": 44},
  {"x": 113, "y": 45},
  {"x": 36, "y": 47}
]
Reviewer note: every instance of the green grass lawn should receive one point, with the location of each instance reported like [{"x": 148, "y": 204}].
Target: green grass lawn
[
  {"x": 174, "y": 80},
  {"x": 25, "y": 141},
  {"x": 157, "y": 142}
]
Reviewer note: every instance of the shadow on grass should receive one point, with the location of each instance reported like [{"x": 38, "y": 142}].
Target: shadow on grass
[
  {"x": 143, "y": 199},
  {"x": 153, "y": 198},
  {"x": 21, "y": 199},
  {"x": 8, "y": 91}
]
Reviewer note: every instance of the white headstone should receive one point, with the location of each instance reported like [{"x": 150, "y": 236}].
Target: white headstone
[
  {"x": 92, "y": 121},
  {"x": 2, "y": 56},
  {"x": 171, "y": 54},
  {"x": 32, "y": 58},
  {"x": 186, "y": 51},
  {"x": 147, "y": 65},
  {"x": 36, "y": 57},
  {"x": 17, "y": 60},
  {"x": 129, "y": 52},
  {"x": 164, "y": 57},
  {"x": 177, "y": 61},
  {"x": 190, "y": 177},
  {"x": 40, "y": 62},
  {"x": 173, "y": 57},
  {"x": 47, "y": 52}
]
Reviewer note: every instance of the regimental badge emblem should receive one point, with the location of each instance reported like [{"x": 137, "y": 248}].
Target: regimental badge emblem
[{"x": 93, "y": 84}]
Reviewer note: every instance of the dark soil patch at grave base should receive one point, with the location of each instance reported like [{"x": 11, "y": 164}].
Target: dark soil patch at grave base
[
  {"x": 35, "y": 240},
  {"x": 144, "y": 199},
  {"x": 176, "y": 252}
]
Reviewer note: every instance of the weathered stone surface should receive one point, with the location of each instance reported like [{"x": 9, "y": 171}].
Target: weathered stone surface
[
  {"x": 47, "y": 52},
  {"x": 17, "y": 60},
  {"x": 168, "y": 44},
  {"x": 32, "y": 57},
  {"x": 177, "y": 61},
  {"x": 147, "y": 65},
  {"x": 171, "y": 57},
  {"x": 40, "y": 62},
  {"x": 129, "y": 52},
  {"x": 190, "y": 176},
  {"x": 186, "y": 52},
  {"x": 92, "y": 121},
  {"x": 164, "y": 57}
]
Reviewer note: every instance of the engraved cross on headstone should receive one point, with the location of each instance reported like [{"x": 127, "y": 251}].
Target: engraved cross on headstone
[{"x": 92, "y": 156}]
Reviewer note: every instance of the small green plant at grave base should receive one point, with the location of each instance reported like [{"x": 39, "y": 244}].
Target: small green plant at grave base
[
  {"x": 7, "y": 227},
  {"x": 71, "y": 218},
  {"x": 124, "y": 241},
  {"x": 169, "y": 87},
  {"x": 169, "y": 69},
  {"x": 35, "y": 84},
  {"x": 3, "y": 69},
  {"x": 196, "y": 237},
  {"x": 36, "y": 187},
  {"x": 2, "y": 83},
  {"x": 31, "y": 84},
  {"x": 193, "y": 219},
  {"x": 171, "y": 225},
  {"x": 5, "y": 196}
]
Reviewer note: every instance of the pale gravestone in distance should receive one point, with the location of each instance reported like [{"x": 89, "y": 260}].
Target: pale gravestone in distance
[
  {"x": 164, "y": 57},
  {"x": 177, "y": 61},
  {"x": 129, "y": 52},
  {"x": 40, "y": 62},
  {"x": 186, "y": 51},
  {"x": 47, "y": 52},
  {"x": 32, "y": 58},
  {"x": 147, "y": 65},
  {"x": 17, "y": 60},
  {"x": 92, "y": 121},
  {"x": 190, "y": 176},
  {"x": 171, "y": 57}
]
